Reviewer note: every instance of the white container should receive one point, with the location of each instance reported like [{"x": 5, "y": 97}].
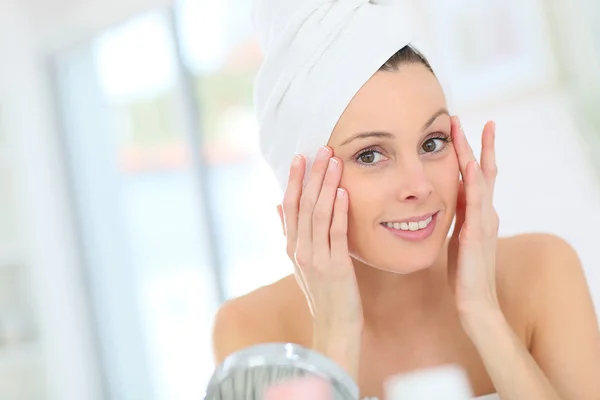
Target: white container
[{"x": 449, "y": 382}]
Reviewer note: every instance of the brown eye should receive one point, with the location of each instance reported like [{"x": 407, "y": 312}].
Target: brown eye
[
  {"x": 367, "y": 157},
  {"x": 429, "y": 146}
]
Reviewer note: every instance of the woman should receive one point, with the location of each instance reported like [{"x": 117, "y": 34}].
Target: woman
[{"x": 377, "y": 285}]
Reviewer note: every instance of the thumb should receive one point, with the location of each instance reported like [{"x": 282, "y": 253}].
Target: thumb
[
  {"x": 280, "y": 212},
  {"x": 461, "y": 207},
  {"x": 461, "y": 203}
]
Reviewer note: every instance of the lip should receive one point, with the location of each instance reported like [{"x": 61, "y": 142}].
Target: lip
[
  {"x": 415, "y": 219},
  {"x": 415, "y": 236}
]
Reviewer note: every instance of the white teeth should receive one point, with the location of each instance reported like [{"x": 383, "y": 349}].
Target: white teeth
[
  {"x": 409, "y": 226},
  {"x": 423, "y": 224}
]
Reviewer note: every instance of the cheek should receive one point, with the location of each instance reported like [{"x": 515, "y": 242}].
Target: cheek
[
  {"x": 358, "y": 192},
  {"x": 363, "y": 200},
  {"x": 445, "y": 177}
]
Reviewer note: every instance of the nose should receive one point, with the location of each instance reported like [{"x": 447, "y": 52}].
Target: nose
[{"x": 412, "y": 182}]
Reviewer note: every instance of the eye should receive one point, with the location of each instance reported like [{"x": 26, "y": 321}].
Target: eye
[
  {"x": 435, "y": 144},
  {"x": 369, "y": 157}
]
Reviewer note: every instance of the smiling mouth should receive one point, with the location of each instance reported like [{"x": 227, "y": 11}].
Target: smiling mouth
[{"x": 410, "y": 226}]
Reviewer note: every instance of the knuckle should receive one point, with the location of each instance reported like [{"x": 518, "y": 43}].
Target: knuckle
[
  {"x": 492, "y": 225},
  {"x": 307, "y": 203},
  {"x": 477, "y": 200},
  {"x": 320, "y": 216},
  {"x": 288, "y": 203},
  {"x": 488, "y": 231},
  {"x": 337, "y": 232},
  {"x": 291, "y": 252},
  {"x": 495, "y": 221},
  {"x": 468, "y": 234},
  {"x": 302, "y": 259},
  {"x": 320, "y": 269}
]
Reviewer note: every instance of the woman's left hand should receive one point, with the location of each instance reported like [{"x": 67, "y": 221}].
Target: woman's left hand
[{"x": 472, "y": 247}]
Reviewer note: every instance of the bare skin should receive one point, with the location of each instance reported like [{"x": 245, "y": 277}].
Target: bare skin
[
  {"x": 514, "y": 312},
  {"x": 279, "y": 313}
]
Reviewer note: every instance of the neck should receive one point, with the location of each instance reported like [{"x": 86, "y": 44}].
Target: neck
[{"x": 391, "y": 301}]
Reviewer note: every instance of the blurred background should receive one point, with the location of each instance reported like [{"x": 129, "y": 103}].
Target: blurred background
[{"x": 134, "y": 201}]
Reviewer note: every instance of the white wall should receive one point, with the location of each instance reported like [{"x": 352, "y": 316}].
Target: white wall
[
  {"x": 60, "y": 24},
  {"x": 546, "y": 182},
  {"x": 56, "y": 280},
  {"x": 549, "y": 176}
]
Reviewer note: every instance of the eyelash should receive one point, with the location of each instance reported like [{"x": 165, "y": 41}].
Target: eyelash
[
  {"x": 439, "y": 136},
  {"x": 362, "y": 153}
]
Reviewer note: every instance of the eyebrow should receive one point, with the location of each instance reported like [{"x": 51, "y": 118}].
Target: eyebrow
[
  {"x": 364, "y": 135},
  {"x": 441, "y": 111},
  {"x": 387, "y": 135}
]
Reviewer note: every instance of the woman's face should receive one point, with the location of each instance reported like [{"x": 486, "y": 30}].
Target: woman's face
[{"x": 394, "y": 141}]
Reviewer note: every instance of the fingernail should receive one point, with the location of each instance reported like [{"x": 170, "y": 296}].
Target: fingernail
[
  {"x": 341, "y": 193},
  {"x": 297, "y": 160},
  {"x": 333, "y": 163},
  {"x": 323, "y": 153}
]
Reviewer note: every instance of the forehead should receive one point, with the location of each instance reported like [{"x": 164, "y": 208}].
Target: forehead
[{"x": 390, "y": 101}]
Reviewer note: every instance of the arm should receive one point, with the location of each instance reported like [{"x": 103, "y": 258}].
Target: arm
[{"x": 564, "y": 363}]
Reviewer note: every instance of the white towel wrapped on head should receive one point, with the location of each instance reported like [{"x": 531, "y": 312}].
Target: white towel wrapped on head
[{"x": 317, "y": 55}]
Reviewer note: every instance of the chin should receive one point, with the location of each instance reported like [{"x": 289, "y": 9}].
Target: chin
[
  {"x": 399, "y": 264},
  {"x": 401, "y": 257}
]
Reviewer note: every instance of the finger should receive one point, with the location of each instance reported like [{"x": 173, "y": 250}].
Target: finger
[
  {"x": 463, "y": 149},
  {"x": 461, "y": 203},
  {"x": 488, "y": 157},
  {"x": 453, "y": 243},
  {"x": 323, "y": 212},
  {"x": 310, "y": 195},
  {"x": 291, "y": 203},
  {"x": 280, "y": 212},
  {"x": 339, "y": 228},
  {"x": 475, "y": 198}
]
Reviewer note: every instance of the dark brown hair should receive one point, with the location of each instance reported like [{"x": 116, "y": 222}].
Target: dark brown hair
[{"x": 406, "y": 55}]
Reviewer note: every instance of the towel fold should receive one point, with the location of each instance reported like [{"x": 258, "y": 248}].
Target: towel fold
[{"x": 317, "y": 55}]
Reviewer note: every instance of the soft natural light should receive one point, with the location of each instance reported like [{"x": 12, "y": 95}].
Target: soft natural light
[
  {"x": 135, "y": 60},
  {"x": 204, "y": 28}
]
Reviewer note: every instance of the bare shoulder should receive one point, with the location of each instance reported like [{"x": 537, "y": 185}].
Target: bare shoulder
[
  {"x": 536, "y": 255},
  {"x": 531, "y": 267},
  {"x": 561, "y": 321},
  {"x": 261, "y": 316}
]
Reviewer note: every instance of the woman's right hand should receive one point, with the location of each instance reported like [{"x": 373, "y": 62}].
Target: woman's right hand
[{"x": 315, "y": 221}]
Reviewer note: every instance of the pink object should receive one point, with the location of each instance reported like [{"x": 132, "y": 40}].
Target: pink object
[{"x": 301, "y": 389}]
